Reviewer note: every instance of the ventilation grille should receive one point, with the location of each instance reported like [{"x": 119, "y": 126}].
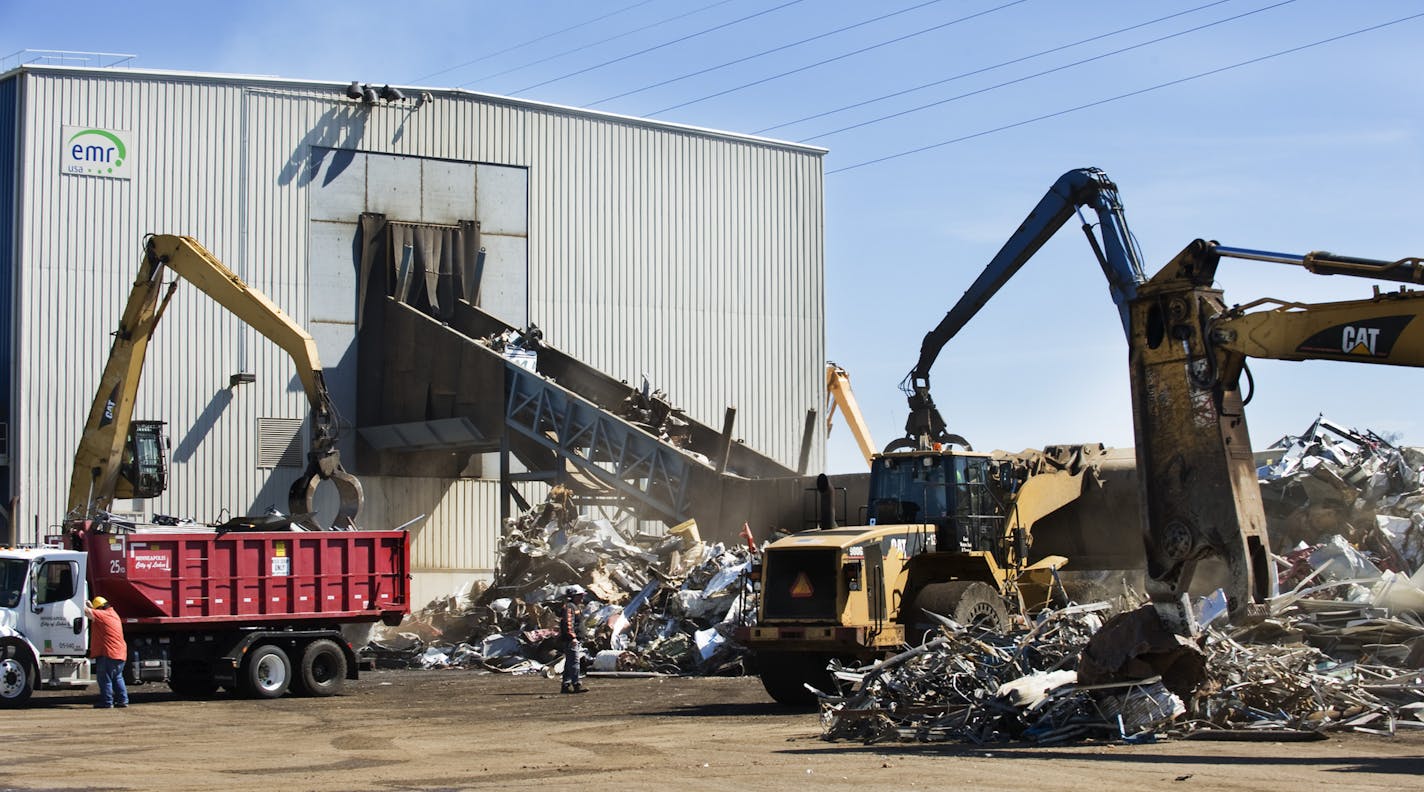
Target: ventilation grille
[{"x": 279, "y": 442}]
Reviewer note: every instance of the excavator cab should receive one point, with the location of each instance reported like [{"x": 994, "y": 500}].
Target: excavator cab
[{"x": 143, "y": 471}]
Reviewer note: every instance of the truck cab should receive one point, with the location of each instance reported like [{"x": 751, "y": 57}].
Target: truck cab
[{"x": 44, "y": 636}]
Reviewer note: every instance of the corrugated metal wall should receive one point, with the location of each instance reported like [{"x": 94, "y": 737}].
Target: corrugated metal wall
[
  {"x": 695, "y": 258},
  {"x": 81, "y": 239},
  {"x": 9, "y": 155},
  {"x": 698, "y": 263}
]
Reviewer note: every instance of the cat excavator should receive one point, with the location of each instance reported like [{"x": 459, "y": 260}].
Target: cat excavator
[
  {"x": 1187, "y": 355},
  {"x": 119, "y": 457},
  {"x": 950, "y": 530}
]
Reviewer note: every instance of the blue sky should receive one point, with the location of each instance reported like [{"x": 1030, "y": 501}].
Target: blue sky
[{"x": 1316, "y": 149}]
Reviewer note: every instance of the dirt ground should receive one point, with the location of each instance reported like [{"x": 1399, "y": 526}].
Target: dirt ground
[{"x": 434, "y": 730}]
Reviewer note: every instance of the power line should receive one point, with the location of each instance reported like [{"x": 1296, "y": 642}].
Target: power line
[
  {"x": 533, "y": 40},
  {"x": 962, "y": 75},
  {"x": 1036, "y": 75},
  {"x": 593, "y": 44},
  {"x": 744, "y": 59},
  {"x": 836, "y": 58},
  {"x": 1127, "y": 95},
  {"x": 659, "y": 46}
]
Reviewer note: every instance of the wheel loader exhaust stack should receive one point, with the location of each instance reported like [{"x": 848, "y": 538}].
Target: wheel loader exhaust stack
[{"x": 826, "y": 515}]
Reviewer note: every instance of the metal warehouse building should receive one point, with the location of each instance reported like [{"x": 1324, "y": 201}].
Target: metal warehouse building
[{"x": 692, "y": 256}]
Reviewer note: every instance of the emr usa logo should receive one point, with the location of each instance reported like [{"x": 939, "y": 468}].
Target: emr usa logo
[{"x": 93, "y": 151}]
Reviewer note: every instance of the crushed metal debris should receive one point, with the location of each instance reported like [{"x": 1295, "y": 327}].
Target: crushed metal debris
[
  {"x": 656, "y": 604},
  {"x": 1340, "y": 650},
  {"x": 1029, "y": 685},
  {"x": 1335, "y": 480}
]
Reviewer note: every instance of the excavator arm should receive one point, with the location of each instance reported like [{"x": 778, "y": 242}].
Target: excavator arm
[
  {"x": 1188, "y": 350},
  {"x": 839, "y": 394},
  {"x": 96, "y": 480},
  {"x": 1116, "y": 252}
]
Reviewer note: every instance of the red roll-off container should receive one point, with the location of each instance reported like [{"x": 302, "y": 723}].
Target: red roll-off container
[{"x": 203, "y": 580}]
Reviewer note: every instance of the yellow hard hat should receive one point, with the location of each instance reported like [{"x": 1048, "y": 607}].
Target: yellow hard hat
[{"x": 99, "y": 602}]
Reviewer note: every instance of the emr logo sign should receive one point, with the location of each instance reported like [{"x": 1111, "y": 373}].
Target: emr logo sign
[{"x": 91, "y": 151}]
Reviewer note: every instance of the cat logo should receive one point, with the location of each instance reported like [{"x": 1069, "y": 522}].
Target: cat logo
[
  {"x": 1359, "y": 340},
  {"x": 1366, "y": 338},
  {"x": 802, "y": 588}
]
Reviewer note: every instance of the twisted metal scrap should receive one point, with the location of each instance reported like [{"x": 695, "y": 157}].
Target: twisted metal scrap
[
  {"x": 1299, "y": 687},
  {"x": 947, "y": 688}
]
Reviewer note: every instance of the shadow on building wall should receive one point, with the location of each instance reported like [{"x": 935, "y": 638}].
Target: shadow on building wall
[
  {"x": 203, "y": 426},
  {"x": 336, "y": 135}
]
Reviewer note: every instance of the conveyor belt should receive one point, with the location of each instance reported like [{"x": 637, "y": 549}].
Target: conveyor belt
[{"x": 563, "y": 423}]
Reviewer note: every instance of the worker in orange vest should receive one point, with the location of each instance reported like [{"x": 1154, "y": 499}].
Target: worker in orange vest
[{"x": 110, "y": 652}]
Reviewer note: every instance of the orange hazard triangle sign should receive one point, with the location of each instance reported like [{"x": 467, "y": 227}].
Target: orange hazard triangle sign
[{"x": 802, "y": 588}]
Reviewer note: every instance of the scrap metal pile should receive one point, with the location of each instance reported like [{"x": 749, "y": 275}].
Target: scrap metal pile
[
  {"x": 1341, "y": 649},
  {"x": 1042, "y": 684},
  {"x": 1335, "y": 480},
  {"x": 665, "y": 604}
]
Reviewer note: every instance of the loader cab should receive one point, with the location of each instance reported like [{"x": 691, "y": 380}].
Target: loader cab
[{"x": 954, "y": 491}]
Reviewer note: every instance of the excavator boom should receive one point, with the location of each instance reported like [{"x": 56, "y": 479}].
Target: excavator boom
[
  {"x": 1116, "y": 252},
  {"x": 94, "y": 481},
  {"x": 1383, "y": 329},
  {"x": 98, "y": 462},
  {"x": 839, "y": 394}
]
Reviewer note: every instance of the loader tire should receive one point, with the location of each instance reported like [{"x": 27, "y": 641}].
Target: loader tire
[
  {"x": 17, "y": 675},
  {"x": 321, "y": 670},
  {"x": 786, "y": 674},
  {"x": 972, "y": 603}
]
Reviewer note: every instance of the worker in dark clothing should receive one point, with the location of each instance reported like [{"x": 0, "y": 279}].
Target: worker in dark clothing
[
  {"x": 571, "y": 636},
  {"x": 110, "y": 652}
]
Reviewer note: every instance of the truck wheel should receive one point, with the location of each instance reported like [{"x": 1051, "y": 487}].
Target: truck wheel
[
  {"x": 17, "y": 675},
  {"x": 266, "y": 673},
  {"x": 972, "y": 603},
  {"x": 786, "y": 674},
  {"x": 322, "y": 671}
]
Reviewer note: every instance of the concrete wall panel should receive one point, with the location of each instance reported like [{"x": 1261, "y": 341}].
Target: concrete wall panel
[
  {"x": 393, "y": 186},
  {"x": 504, "y": 289},
  {"x": 447, "y": 192},
  {"x": 504, "y": 200}
]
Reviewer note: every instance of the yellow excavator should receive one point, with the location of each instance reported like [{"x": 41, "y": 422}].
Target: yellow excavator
[
  {"x": 119, "y": 457},
  {"x": 1187, "y": 351},
  {"x": 950, "y": 531}
]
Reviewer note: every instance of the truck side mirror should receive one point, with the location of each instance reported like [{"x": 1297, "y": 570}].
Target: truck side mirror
[{"x": 35, "y": 585}]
